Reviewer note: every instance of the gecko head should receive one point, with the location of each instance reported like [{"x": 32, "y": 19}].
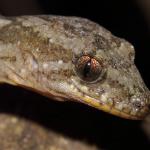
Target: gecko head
[
  {"x": 109, "y": 80},
  {"x": 70, "y": 57},
  {"x": 85, "y": 62}
]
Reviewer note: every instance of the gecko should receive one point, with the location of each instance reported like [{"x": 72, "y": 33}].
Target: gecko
[{"x": 74, "y": 59}]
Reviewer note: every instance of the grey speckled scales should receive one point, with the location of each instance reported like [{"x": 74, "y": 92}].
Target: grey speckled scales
[{"x": 41, "y": 52}]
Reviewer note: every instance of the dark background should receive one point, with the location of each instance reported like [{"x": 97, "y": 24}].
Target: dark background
[{"x": 123, "y": 18}]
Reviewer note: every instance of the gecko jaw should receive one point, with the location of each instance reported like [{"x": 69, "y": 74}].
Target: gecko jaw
[
  {"x": 108, "y": 102},
  {"x": 110, "y": 109}
]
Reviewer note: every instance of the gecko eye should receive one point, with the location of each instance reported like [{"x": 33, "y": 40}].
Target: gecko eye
[{"x": 88, "y": 69}]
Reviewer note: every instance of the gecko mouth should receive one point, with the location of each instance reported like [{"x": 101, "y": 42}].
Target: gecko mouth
[{"x": 123, "y": 110}]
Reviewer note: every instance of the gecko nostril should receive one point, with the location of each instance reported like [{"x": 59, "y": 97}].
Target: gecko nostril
[{"x": 138, "y": 102}]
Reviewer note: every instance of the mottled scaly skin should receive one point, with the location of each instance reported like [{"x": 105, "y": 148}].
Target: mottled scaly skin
[{"x": 38, "y": 52}]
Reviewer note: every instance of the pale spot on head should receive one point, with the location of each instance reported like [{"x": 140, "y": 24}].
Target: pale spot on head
[
  {"x": 104, "y": 97},
  {"x": 14, "y": 120},
  {"x": 84, "y": 88},
  {"x": 45, "y": 65},
  {"x": 60, "y": 62},
  {"x": 23, "y": 71},
  {"x": 119, "y": 106},
  {"x": 51, "y": 40},
  {"x": 37, "y": 49}
]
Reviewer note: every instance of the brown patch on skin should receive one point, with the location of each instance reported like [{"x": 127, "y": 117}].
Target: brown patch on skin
[
  {"x": 86, "y": 30},
  {"x": 115, "y": 63},
  {"x": 69, "y": 27},
  {"x": 10, "y": 59},
  {"x": 116, "y": 41},
  {"x": 67, "y": 73},
  {"x": 101, "y": 43},
  {"x": 53, "y": 22},
  {"x": 58, "y": 52},
  {"x": 63, "y": 74},
  {"x": 16, "y": 32},
  {"x": 31, "y": 41},
  {"x": 44, "y": 17},
  {"x": 50, "y": 18},
  {"x": 106, "y": 44},
  {"x": 131, "y": 56},
  {"x": 75, "y": 31}
]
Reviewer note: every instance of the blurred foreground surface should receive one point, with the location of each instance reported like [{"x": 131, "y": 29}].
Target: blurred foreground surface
[
  {"x": 29, "y": 121},
  {"x": 20, "y": 134}
]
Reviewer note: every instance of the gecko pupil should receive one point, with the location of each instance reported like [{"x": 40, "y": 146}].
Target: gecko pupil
[{"x": 88, "y": 68}]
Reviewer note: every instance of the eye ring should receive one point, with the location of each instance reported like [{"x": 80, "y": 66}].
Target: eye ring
[{"x": 89, "y": 69}]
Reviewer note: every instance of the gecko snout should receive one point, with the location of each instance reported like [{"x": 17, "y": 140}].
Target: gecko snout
[{"x": 140, "y": 104}]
